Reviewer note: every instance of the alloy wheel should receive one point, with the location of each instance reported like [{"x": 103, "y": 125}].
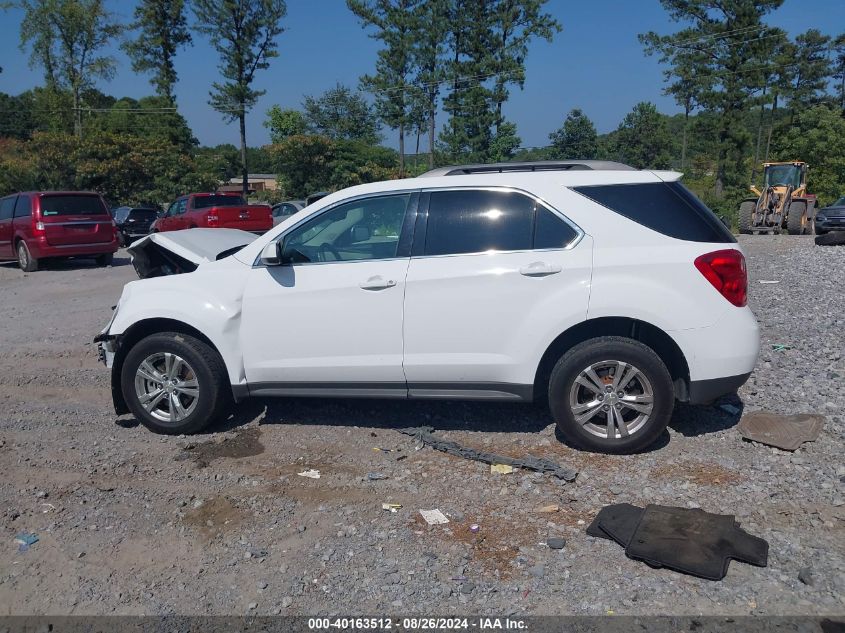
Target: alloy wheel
[
  {"x": 167, "y": 387},
  {"x": 611, "y": 399}
]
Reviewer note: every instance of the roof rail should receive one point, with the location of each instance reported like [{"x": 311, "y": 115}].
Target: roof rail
[{"x": 534, "y": 165}]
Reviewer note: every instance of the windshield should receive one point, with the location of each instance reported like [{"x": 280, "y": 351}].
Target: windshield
[
  {"x": 782, "y": 175},
  {"x": 72, "y": 205},
  {"x": 839, "y": 203},
  {"x": 204, "y": 202}
]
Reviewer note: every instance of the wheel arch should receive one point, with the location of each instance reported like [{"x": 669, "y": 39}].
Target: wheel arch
[
  {"x": 138, "y": 331},
  {"x": 646, "y": 333}
]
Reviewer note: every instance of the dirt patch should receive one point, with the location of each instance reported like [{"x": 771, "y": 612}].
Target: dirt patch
[
  {"x": 245, "y": 443},
  {"x": 698, "y": 473},
  {"x": 213, "y": 516}
]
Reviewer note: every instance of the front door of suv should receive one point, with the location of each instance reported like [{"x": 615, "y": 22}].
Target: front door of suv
[
  {"x": 331, "y": 317},
  {"x": 495, "y": 276}
]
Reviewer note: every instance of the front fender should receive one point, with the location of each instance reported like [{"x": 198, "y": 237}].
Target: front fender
[{"x": 208, "y": 300}]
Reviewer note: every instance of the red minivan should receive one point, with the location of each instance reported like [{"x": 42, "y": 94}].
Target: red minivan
[{"x": 41, "y": 224}]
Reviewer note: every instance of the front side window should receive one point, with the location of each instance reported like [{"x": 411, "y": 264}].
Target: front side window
[
  {"x": 358, "y": 230},
  {"x": 181, "y": 206}
]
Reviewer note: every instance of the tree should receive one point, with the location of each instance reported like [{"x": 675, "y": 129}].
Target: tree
[
  {"x": 576, "y": 138},
  {"x": 816, "y": 138},
  {"x": 17, "y": 121},
  {"x": 838, "y": 47},
  {"x": 515, "y": 24},
  {"x": 431, "y": 28},
  {"x": 394, "y": 21},
  {"x": 162, "y": 30},
  {"x": 643, "y": 140},
  {"x": 244, "y": 34},
  {"x": 65, "y": 38},
  {"x": 812, "y": 68},
  {"x": 505, "y": 142},
  {"x": 340, "y": 114},
  {"x": 728, "y": 35},
  {"x": 283, "y": 123}
]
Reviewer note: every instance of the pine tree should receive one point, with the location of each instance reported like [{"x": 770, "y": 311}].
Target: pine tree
[
  {"x": 162, "y": 30},
  {"x": 576, "y": 138},
  {"x": 812, "y": 69},
  {"x": 643, "y": 140},
  {"x": 244, "y": 34}
]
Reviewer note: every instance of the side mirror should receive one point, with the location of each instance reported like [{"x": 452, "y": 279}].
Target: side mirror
[
  {"x": 271, "y": 255},
  {"x": 360, "y": 233}
]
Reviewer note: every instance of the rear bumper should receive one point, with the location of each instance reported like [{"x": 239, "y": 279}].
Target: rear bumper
[
  {"x": 706, "y": 391},
  {"x": 40, "y": 249}
]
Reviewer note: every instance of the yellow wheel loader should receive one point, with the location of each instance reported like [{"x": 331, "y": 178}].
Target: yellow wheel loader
[{"x": 782, "y": 204}]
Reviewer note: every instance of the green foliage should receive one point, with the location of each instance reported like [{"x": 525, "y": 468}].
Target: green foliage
[
  {"x": 161, "y": 30},
  {"x": 308, "y": 163},
  {"x": 125, "y": 169},
  {"x": 395, "y": 25},
  {"x": 148, "y": 117},
  {"x": 812, "y": 68},
  {"x": 505, "y": 143},
  {"x": 817, "y": 138},
  {"x": 341, "y": 114},
  {"x": 642, "y": 139},
  {"x": 65, "y": 38},
  {"x": 576, "y": 138},
  {"x": 283, "y": 123}
]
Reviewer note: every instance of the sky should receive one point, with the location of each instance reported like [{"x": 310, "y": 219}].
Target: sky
[{"x": 595, "y": 63}]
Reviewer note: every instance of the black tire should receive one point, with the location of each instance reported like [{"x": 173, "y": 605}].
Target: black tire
[
  {"x": 796, "y": 219},
  {"x": 818, "y": 230},
  {"x": 746, "y": 211},
  {"x": 834, "y": 238},
  {"x": 105, "y": 259},
  {"x": 214, "y": 396},
  {"x": 26, "y": 261},
  {"x": 611, "y": 348}
]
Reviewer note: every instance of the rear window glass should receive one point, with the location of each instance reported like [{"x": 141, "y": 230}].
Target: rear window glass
[
  {"x": 204, "y": 202},
  {"x": 72, "y": 205},
  {"x": 666, "y": 207},
  {"x": 143, "y": 215}
]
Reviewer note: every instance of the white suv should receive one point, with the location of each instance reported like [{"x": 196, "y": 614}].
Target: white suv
[{"x": 608, "y": 291}]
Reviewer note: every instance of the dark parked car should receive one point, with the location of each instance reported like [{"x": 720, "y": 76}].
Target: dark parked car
[
  {"x": 41, "y": 224},
  {"x": 133, "y": 223},
  {"x": 284, "y": 210},
  {"x": 831, "y": 218},
  {"x": 316, "y": 196}
]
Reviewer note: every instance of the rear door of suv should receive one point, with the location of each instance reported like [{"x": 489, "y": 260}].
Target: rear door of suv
[
  {"x": 74, "y": 218},
  {"x": 7, "y": 208},
  {"x": 495, "y": 275}
]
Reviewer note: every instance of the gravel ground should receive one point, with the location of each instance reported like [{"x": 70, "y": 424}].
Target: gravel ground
[{"x": 133, "y": 523}]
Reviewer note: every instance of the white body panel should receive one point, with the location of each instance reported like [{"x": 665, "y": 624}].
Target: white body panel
[
  {"x": 314, "y": 323},
  {"x": 476, "y": 319}
]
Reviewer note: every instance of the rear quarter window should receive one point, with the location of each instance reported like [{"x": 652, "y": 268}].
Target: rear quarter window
[
  {"x": 666, "y": 207},
  {"x": 72, "y": 205}
]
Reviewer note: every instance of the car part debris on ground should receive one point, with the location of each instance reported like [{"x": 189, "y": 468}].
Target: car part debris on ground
[
  {"x": 502, "y": 469},
  {"x": 836, "y": 238},
  {"x": 549, "y": 509},
  {"x": 392, "y": 507},
  {"x": 687, "y": 540},
  {"x": 780, "y": 347},
  {"x": 376, "y": 476},
  {"x": 769, "y": 281},
  {"x": 786, "y": 432},
  {"x": 540, "y": 464},
  {"x": 25, "y": 540},
  {"x": 434, "y": 517},
  {"x": 311, "y": 473}
]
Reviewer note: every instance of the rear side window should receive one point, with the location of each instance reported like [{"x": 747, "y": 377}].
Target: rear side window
[
  {"x": 7, "y": 208},
  {"x": 666, "y": 207},
  {"x": 72, "y": 205},
  {"x": 143, "y": 215},
  {"x": 206, "y": 202},
  {"x": 550, "y": 231},
  {"x": 478, "y": 221}
]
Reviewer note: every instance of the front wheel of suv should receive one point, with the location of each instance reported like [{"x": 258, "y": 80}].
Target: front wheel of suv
[
  {"x": 611, "y": 395},
  {"x": 174, "y": 383}
]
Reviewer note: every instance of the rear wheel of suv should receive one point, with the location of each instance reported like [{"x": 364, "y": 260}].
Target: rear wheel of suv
[
  {"x": 26, "y": 261},
  {"x": 611, "y": 395},
  {"x": 174, "y": 383}
]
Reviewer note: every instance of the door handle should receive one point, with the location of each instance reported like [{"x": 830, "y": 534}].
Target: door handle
[
  {"x": 377, "y": 282},
  {"x": 539, "y": 269}
]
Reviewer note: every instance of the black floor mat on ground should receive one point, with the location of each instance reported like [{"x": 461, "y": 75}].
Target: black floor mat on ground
[
  {"x": 690, "y": 541},
  {"x": 616, "y": 522},
  {"x": 694, "y": 542}
]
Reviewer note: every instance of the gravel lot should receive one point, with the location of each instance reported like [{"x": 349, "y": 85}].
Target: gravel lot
[{"x": 133, "y": 523}]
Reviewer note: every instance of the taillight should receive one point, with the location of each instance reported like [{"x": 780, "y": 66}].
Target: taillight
[{"x": 726, "y": 271}]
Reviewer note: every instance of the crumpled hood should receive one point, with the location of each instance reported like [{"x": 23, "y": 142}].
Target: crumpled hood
[{"x": 177, "y": 252}]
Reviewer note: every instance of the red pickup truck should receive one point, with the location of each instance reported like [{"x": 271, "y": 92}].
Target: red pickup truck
[{"x": 215, "y": 210}]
